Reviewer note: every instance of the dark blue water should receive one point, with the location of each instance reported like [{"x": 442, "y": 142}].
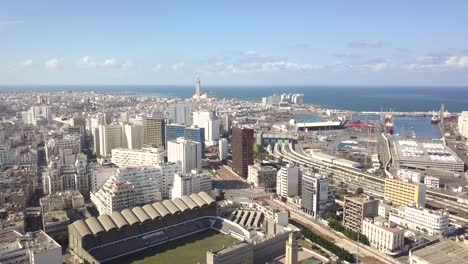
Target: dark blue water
[{"x": 404, "y": 99}]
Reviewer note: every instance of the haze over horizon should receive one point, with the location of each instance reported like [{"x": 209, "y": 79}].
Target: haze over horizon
[{"x": 234, "y": 43}]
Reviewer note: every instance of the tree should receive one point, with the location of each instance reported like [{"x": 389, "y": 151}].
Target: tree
[{"x": 359, "y": 190}]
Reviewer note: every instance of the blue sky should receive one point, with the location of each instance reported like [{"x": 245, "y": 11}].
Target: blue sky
[{"x": 234, "y": 42}]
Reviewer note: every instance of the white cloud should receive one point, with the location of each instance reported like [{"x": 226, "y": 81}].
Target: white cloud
[
  {"x": 255, "y": 67},
  {"x": 53, "y": 63},
  {"x": 377, "y": 67},
  {"x": 22, "y": 65},
  {"x": 178, "y": 66},
  {"x": 457, "y": 61},
  {"x": 366, "y": 44},
  {"x": 250, "y": 53},
  {"x": 90, "y": 62},
  {"x": 156, "y": 68}
]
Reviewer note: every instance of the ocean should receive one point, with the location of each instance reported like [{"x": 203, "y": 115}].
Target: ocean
[{"x": 354, "y": 98}]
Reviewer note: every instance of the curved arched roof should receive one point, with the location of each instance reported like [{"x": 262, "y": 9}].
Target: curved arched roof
[
  {"x": 82, "y": 228},
  {"x": 94, "y": 225},
  {"x": 161, "y": 209},
  {"x": 140, "y": 214},
  {"x": 189, "y": 202},
  {"x": 129, "y": 216},
  {"x": 180, "y": 204},
  {"x": 171, "y": 206},
  {"x": 118, "y": 219},
  {"x": 206, "y": 197},
  {"x": 197, "y": 199},
  {"x": 106, "y": 222},
  {"x": 150, "y": 211}
]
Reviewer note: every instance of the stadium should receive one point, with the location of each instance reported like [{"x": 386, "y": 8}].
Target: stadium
[{"x": 109, "y": 237}]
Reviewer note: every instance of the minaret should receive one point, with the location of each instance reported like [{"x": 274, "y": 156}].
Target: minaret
[
  {"x": 291, "y": 250},
  {"x": 197, "y": 90}
]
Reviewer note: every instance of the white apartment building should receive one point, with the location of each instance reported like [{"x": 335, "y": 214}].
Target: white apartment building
[
  {"x": 261, "y": 176},
  {"x": 62, "y": 201},
  {"x": 223, "y": 149},
  {"x": 463, "y": 124},
  {"x": 186, "y": 184},
  {"x": 148, "y": 184},
  {"x": 60, "y": 177},
  {"x": 133, "y": 134},
  {"x": 110, "y": 137},
  {"x": 181, "y": 113},
  {"x": 385, "y": 237},
  {"x": 432, "y": 223},
  {"x": 99, "y": 176},
  {"x": 137, "y": 157},
  {"x": 287, "y": 181},
  {"x": 60, "y": 147},
  {"x": 185, "y": 151}
]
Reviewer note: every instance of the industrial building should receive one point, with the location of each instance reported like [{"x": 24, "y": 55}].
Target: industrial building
[
  {"x": 437, "y": 252},
  {"x": 425, "y": 155}
]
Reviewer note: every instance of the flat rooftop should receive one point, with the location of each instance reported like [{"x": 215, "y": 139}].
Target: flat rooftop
[
  {"x": 445, "y": 252},
  {"x": 424, "y": 150}
]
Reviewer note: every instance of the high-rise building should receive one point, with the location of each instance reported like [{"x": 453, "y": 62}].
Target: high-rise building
[
  {"x": 174, "y": 131},
  {"x": 153, "y": 131},
  {"x": 223, "y": 149},
  {"x": 358, "y": 207},
  {"x": 287, "y": 181},
  {"x": 181, "y": 113},
  {"x": 463, "y": 124},
  {"x": 110, "y": 137},
  {"x": 402, "y": 192},
  {"x": 197, "y": 134},
  {"x": 210, "y": 123},
  {"x": 242, "y": 150},
  {"x": 317, "y": 197},
  {"x": 137, "y": 157},
  {"x": 186, "y": 184},
  {"x": 188, "y": 152},
  {"x": 133, "y": 136}
]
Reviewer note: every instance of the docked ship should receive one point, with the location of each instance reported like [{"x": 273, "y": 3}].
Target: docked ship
[
  {"x": 388, "y": 120},
  {"x": 435, "y": 118}
]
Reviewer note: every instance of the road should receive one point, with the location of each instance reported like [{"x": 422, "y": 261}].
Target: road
[{"x": 366, "y": 255}]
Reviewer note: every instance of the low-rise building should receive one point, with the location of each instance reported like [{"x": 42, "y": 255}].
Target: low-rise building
[
  {"x": 384, "y": 236},
  {"x": 34, "y": 248},
  {"x": 415, "y": 218},
  {"x": 446, "y": 251},
  {"x": 62, "y": 201},
  {"x": 186, "y": 184},
  {"x": 262, "y": 176}
]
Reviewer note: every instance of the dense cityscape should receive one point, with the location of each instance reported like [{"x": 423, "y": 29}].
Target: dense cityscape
[
  {"x": 90, "y": 177},
  {"x": 233, "y": 132}
]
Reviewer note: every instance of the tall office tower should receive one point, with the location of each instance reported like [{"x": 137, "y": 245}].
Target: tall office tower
[
  {"x": 317, "y": 198},
  {"x": 133, "y": 136},
  {"x": 223, "y": 149},
  {"x": 291, "y": 250},
  {"x": 402, "y": 192},
  {"x": 186, "y": 184},
  {"x": 287, "y": 181},
  {"x": 463, "y": 124},
  {"x": 110, "y": 137},
  {"x": 137, "y": 157},
  {"x": 197, "y": 90},
  {"x": 153, "y": 131},
  {"x": 174, "y": 131},
  {"x": 185, "y": 151},
  {"x": 356, "y": 208},
  {"x": 210, "y": 123},
  {"x": 94, "y": 128},
  {"x": 181, "y": 113},
  {"x": 196, "y": 134},
  {"x": 242, "y": 150},
  {"x": 225, "y": 123}
]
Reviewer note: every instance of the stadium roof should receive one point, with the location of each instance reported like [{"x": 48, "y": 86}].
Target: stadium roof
[{"x": 93, "y": 225}]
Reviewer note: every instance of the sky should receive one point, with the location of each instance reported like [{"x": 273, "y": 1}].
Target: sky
[{"x": 238, "y": 42}]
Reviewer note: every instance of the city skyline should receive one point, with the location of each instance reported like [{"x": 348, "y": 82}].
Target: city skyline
[{"x": 241, "y": 43}]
